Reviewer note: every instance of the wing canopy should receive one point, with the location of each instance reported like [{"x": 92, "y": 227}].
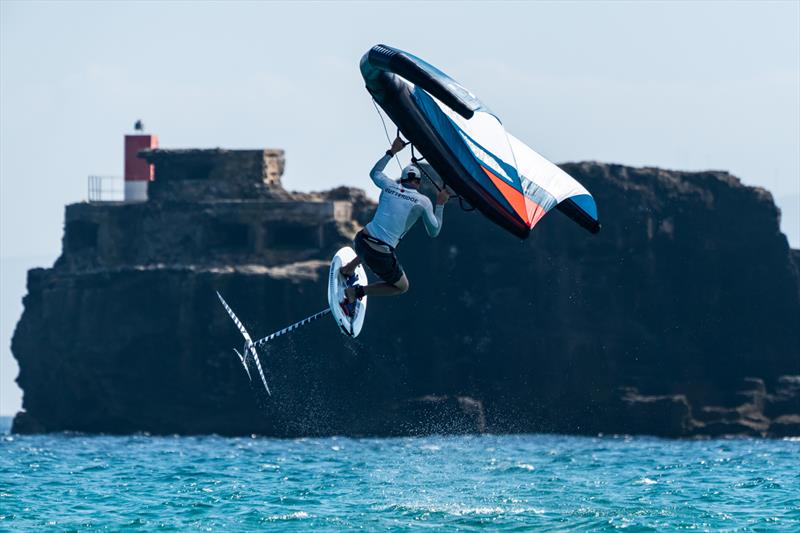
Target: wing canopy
[{"x": 468, "y": 146}]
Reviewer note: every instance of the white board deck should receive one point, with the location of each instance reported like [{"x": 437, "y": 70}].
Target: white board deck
[{"x": 336, "y": 285}]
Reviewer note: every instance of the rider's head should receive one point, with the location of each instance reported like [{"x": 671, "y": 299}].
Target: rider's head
[{"x": 411, "y": 177}]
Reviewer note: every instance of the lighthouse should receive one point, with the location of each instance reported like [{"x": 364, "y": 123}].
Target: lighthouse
[{"x": 138, "y": 172}]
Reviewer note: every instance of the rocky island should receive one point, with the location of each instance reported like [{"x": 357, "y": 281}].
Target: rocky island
[{"x": 681, "y": 318}]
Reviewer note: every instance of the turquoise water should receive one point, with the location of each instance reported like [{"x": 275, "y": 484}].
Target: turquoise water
[{"x": 513, "y": 483}]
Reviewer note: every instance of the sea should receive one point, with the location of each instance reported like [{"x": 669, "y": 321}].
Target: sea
[{"x": 76, "y": 482}]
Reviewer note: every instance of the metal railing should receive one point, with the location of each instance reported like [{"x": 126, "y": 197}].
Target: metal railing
[{"x": 106, "y": 189}]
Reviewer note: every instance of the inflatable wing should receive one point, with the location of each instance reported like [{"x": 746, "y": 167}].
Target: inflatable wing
[{"x": 467, "y": 145}]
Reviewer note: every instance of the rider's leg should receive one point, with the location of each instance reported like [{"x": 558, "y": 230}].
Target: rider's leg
[
  {"x": 380, "y": 288},
  {"x": 350, "y": 268}
]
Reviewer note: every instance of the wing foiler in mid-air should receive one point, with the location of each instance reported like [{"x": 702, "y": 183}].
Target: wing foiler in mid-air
[{"x": 468, "y": 146}]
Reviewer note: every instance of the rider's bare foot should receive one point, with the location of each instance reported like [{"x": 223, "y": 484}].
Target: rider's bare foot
[{"x": 350, "y": 294}]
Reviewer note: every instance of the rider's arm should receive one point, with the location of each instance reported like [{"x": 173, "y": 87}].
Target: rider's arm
[
  {"x": 432, "y": 218},
  {"x": 378, "y": 177}
]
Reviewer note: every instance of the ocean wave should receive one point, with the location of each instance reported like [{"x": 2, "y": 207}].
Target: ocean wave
[{"x": 297, "y": 515}]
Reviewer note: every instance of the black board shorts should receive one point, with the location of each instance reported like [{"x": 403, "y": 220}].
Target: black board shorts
[{"x": 384, "y": 264}]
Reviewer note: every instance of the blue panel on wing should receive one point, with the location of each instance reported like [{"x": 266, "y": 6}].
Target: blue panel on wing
[
  {"x": 455, "y": 142},
  {"x": 587, "y": 204}
]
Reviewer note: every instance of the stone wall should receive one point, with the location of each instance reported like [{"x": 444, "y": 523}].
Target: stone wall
[
  {"x": 194, "y": 175},
  {"x": 266, "y": 232}
]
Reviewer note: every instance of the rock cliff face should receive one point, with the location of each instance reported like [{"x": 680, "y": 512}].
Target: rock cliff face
[{"x": 680, "y": 318}]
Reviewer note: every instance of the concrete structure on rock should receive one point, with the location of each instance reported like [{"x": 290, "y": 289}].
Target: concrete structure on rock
[{"x": 244, "y": 211}]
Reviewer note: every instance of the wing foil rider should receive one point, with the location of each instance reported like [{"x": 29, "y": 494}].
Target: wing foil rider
[{"x": 400, "y": 206}]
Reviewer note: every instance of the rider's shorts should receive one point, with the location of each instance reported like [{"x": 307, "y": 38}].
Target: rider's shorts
[{"x": 379, "y": 257}]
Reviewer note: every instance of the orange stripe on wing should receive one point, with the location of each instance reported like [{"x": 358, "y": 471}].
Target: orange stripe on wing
[{"x": 514, "y": 197}]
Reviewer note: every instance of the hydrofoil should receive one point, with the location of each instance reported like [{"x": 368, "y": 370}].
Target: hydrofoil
[{"x": 349, "y": 324}]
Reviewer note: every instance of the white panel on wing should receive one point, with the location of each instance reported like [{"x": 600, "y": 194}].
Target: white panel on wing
[{"x": 543, "y": 173}]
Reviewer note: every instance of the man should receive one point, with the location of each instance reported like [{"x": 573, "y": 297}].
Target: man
[{"x": 400, "y": 206}]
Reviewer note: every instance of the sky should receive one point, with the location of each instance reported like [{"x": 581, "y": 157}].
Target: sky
[{"x": 679, "y": 85}]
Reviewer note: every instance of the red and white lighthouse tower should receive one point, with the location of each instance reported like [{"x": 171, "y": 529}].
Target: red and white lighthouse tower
[{"x": 138, "y": 172}]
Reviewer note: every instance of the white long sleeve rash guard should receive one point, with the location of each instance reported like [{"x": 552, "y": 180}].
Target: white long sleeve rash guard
[{"x": 399, "y": 208}]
